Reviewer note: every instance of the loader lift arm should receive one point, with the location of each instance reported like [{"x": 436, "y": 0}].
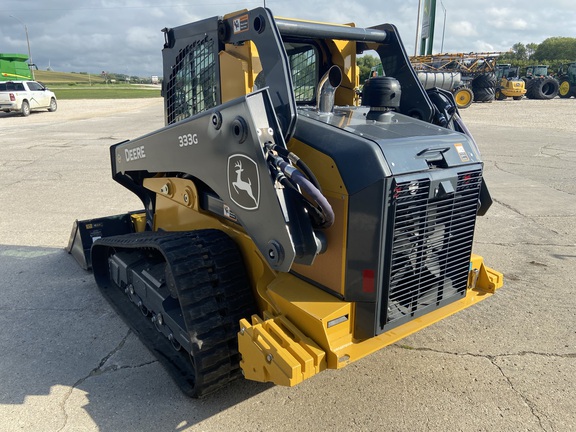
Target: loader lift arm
[{"x": 213, "y": 146}]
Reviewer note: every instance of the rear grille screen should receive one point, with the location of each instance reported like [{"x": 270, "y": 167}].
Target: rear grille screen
[
  {"x": 432, "y": 243},
  {"x": 192, "y": 86}
]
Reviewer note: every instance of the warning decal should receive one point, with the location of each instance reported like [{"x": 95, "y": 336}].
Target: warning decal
[
  {"x": 240, "y": 24},
  {"x": 462, "y": 152}
]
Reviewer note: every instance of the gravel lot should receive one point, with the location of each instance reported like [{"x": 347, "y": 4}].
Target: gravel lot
[
  {"x": 68, "y": 363},
  {"x": 556, "y": 114},
  {"x": 77, "y": 110}
]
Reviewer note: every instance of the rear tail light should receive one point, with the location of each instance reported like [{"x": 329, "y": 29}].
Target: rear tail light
[{"x": 12, "y": 97}]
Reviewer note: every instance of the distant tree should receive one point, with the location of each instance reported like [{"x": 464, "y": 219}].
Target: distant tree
[
  {"x": 508, "y": 57},
  {"x": 556, "y": 48},
  {"x": 519, "y": 50},
  {"x": 365, "y": 63},
  {"x": 552, "y": 52},
  {"x": 517, "y": 54},
  {"x": 531, "y": 49}
]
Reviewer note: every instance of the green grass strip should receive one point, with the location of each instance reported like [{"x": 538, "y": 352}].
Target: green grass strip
[{"x": 104, "y": 93}]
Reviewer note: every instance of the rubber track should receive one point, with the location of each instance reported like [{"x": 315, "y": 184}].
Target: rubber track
[{"x": 207, "y": 271}]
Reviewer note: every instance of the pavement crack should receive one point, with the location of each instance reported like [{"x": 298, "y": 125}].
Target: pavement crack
[
  {"x": 521, "y": 243},
  {"x": 43, "y": 309},
  {"x": 99, "y": 370},
  {"x": 531, "y": 405},
  {"x": 115, "y": 368},
  {"x": 530, "y": 218},
  {"x": 509, "y": 207},
  {"x": 516, "y": 354},
  {"x": 552, "y": 151},
  {"x": 492, "y": 359},
  {"x": 550, "y": 185}
]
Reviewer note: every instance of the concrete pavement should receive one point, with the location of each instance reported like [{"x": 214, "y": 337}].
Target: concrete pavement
[{"x": 68, "y": 363}]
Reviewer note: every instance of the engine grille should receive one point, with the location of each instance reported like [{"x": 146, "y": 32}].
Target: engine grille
[{"x": 432, "y": 241}]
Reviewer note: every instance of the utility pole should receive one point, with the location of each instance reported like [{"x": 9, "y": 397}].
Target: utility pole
[
  {"x": 443, "y": 27},
  {"x": 30, "y": 63},
  {"x": 417, "y": 28},
  {"x": 428, "y": 19}
]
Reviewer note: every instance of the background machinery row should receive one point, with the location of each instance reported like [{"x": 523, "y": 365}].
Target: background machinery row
[{"x": 478, "y": 77}]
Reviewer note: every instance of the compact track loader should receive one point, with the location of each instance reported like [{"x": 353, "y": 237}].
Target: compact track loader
[{"x": 290, "y": 223}]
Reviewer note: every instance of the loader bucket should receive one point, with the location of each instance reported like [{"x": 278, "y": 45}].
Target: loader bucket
[{"x": 86, "y": 232}]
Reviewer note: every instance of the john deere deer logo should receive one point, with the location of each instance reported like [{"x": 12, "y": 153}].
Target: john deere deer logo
[{"x": 243, "y": 182}]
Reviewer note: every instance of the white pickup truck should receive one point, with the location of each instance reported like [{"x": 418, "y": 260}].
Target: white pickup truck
[{"x": 25, "y": 96}]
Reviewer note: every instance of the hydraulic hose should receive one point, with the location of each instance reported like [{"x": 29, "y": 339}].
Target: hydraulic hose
[
  {"x": 308, "y": 187},
  {"x": 299, "y": 163}
]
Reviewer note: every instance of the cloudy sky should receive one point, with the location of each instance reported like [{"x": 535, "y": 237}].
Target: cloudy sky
[{"x": 124, "y": 36}]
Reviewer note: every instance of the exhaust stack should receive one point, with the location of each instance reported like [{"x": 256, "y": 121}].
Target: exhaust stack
[{"x": 326, "y": 89}]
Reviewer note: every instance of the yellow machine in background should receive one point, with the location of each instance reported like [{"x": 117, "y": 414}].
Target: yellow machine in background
[
  {"x": 509, "y": 83},
  {"x": 286, "y": 228}
]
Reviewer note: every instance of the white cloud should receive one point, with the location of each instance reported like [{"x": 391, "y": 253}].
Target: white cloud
[
  {"x": 140, "y": 38},
  {"x": 99, "y": 34},
  {"x": 463, "y": 28},
  {"x": 506, "y": 19},
  {"x": 482, "y": 46}
]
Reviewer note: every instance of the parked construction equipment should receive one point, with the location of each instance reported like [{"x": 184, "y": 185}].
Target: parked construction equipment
[
  {"x": 14, "y": 67},
  {"x": 566, "y": 77},
  {"x": 508, "y": 83},
  {"x": 476, "y": 72},
  {"x": 286, "y": 230},
  {"x": 539, "y": 84}
]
